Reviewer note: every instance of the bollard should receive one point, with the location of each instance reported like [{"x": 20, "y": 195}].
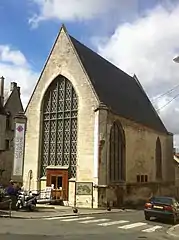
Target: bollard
[
  {"x": 75, "y": 210},
  {"x": 10, "y": 208}
]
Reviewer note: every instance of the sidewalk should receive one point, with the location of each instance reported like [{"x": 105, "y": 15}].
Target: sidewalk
[
  {"x": 174, "y": 231},
  {"x": 49, "y": 211}
]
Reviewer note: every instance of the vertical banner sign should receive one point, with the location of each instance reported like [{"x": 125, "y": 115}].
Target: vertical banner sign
[
  {"x": 96, "y": 144},
  {"x": 18, "y": 149}
]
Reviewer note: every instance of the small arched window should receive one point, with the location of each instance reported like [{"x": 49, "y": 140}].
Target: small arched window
[
  {"x": 117, "y": 153},
  {"x": 158, "y": 159}
]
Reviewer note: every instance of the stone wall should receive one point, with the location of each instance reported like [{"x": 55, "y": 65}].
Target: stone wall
[
  {"x": 134, "y": 195},
  {"x": 140, "y": 144},
  {"x": 6, "y": 163},
  {"x": 140, "y": 160}
]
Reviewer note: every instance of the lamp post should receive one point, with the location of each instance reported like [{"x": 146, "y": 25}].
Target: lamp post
[{"x": 176, "y": 59}]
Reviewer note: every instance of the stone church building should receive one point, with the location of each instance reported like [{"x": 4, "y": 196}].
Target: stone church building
[{"x": 92, "y": 133}]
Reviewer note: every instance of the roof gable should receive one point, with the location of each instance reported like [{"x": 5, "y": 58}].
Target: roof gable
[
  {"x": 122, "y": 93},
  {"x": 13, "y": 102}
]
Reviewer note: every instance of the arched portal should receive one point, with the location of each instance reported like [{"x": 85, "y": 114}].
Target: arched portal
[
  {"x": 59, "y": 126},
  {"x": 158, "y": 159},
  {"x": 117, "y": 154}
]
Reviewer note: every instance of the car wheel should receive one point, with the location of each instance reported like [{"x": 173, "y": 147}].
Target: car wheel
[
  {"x": 147, "y": 217},
  {"x": 31, "y": 208}
]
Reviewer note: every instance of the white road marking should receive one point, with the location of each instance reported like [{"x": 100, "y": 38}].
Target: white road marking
[
  {"x": 96, "y": 220},
  {"x": 77, "y": 219},
  {"x": 59, "y": 218},
  {"x": 152, "y": 229},
  {"x": 112, "y": 223},
  {"x": 133, "y": 225}
]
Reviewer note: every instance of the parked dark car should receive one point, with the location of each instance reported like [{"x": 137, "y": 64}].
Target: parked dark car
[{"x": 162, "y": 208}]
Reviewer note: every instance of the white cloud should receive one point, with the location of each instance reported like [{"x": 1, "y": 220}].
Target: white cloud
[
  {"x": 81, "y": 10},
  {"x": 11, "y": 56},
  {"x": 146, "y": 47},
  {"x": 15, "y": 67}
]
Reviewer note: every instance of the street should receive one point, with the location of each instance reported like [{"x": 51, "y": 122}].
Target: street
[{"x": 127, "y": 226}]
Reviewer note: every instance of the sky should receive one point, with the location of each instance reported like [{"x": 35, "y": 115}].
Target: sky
[{"x": 139, "y": 36}]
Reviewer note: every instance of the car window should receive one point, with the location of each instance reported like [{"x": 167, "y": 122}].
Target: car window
[{"x": 161, "y": 200}]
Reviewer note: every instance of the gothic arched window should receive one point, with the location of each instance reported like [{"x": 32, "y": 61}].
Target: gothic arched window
[
  {"x": 158, "y": 159},
  {"x": 59, "y": 126},
  {"x": 117, "y": 154}
]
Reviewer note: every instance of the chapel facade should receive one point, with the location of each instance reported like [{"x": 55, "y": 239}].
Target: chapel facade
[{"x": 92, "y": 134}]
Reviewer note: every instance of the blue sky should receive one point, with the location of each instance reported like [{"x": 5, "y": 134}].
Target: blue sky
[
  {"x": 36, "y": 43},
  {"x": 139, "y": 36}
]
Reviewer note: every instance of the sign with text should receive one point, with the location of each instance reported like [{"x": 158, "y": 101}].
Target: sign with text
[{"x": 19, "y": 149}]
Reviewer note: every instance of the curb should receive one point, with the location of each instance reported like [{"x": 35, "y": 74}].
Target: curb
[
  {"x": 170, "y": 231},
  {"x": 58, "y": 216}
]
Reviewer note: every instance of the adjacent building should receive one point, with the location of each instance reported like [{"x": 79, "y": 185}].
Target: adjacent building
[
  {"x": 92, "y": 134},
  {"x": 10, "y": 106}
]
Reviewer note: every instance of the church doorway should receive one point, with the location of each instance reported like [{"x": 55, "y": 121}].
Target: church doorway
[{"x": 58, "y": 180}]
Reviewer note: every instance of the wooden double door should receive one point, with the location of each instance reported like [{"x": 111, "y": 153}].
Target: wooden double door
[{"x": 58, "y": 180}]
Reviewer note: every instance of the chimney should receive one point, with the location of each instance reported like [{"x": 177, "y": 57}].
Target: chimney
[
  {"x": 19, "y": 90},
  {"x": 13, "y": 86},
  {"x": 2, "y": 89}
]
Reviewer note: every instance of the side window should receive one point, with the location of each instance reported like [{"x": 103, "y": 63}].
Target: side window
[
  {"x": 158, "y": 160},
  {"x": 7, "y": 144},
  {"x": 8, "y": 121},
  {"x": 142, "y": 178}
]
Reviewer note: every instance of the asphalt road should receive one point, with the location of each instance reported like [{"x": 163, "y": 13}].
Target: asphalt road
[{"x": 114, "y": 226}]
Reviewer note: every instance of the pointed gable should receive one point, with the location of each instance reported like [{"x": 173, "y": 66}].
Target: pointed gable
[
  {"x": 12, "y": 100},
  {"x": 120, "y": 92}
]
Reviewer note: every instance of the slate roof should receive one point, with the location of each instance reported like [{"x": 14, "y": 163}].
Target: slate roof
[{"x": 120, "y": 92}]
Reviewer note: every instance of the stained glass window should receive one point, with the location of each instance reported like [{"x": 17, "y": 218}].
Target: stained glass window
[
  {"x": 59, "y": 130},
  {"x": 158, "y": 159},
  {"x": 117, "y": 153}
]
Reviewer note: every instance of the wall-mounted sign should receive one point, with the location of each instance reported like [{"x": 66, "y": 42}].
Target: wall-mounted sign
[
  {"x": 84, "y": 188},
  {"x": 19, "y": 149}
]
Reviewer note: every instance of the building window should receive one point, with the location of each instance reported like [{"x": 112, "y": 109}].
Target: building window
[
  {"x": 142, "y": 178},
  {"x": 138, "y": 178},
  {"x": 59, "y": 129},
  {"x": 146, "y": 178},
  {"x": 7, "y": 144},
  {"x": 8, "y": 121},
  {"x": 117, "y": 153},
  {"x": 158, "y": 160}
]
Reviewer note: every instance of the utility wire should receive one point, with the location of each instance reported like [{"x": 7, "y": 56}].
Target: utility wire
[
  {"x": 165, "y": 93},
  {"x": 168, "y": 102}
]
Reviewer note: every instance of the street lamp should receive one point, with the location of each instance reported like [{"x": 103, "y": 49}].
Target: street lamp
[{"x": 176, "y": 59}]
